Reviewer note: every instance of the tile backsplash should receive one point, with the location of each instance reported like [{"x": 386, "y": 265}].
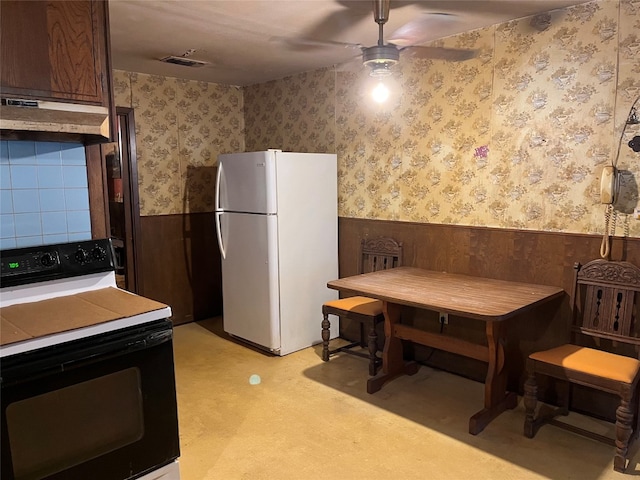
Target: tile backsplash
[{"x": 44, "y": 194}]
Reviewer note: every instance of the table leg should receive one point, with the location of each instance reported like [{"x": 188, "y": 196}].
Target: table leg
[
  {"x": 496, "y": 397},
  {"x": 392, "y": 356}
]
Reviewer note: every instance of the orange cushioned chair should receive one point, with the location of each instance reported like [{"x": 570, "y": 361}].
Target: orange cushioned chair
[
  {"x": 376, "y": 254},
  {"x": 604, "y": 301}
]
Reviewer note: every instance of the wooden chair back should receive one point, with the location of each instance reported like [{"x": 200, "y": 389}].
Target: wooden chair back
[
  {"x": 380, "y": 254},
  {"x": 376, "y": 254},
  {"x": 605, "y": 300}
]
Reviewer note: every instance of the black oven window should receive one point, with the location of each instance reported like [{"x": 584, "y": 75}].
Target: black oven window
[{"x": 66, "y": 427}]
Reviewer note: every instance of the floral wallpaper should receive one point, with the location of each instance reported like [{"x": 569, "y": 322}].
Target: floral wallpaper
[
  {"x": 513, "y": 138},
  {"x": 296, "y": 114},
  {"x": 181, "y": 127}
]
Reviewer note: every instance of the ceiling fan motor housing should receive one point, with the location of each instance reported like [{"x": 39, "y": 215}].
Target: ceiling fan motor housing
[{"x": 380, "y": 58}]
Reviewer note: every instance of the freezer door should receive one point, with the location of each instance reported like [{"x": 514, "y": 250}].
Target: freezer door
[
  {"x": 251, "y": 307},
  {"x": 247, "y": 182}
]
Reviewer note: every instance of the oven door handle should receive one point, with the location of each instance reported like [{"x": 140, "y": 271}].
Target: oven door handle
[
  {"x": 135, "y": 345},
  {"x": 46, "y": 362},
  {"x": 150, "y": 340}
]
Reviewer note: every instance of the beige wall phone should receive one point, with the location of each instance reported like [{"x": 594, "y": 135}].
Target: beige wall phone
[{"x": 609, "y": 183}]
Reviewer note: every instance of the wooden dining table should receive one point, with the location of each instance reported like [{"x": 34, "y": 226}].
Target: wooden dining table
[{"x": 485, "y": 299}]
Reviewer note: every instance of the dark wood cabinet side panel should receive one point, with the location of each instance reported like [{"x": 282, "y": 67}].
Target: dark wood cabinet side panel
[
  {"x": 73, "y": 54},
  {"x": 104, "y": 54},
  {"x": 97, "y": 178},
  {"x": 23, "y": 32},
  {"x": 180, "y": 265}
]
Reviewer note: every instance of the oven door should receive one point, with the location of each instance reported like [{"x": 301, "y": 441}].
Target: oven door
[{"x": 102, "y": 407}]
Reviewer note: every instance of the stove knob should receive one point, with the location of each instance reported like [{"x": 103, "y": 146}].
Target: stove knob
[
  {"x": 98, "y": 253},
  {"x": 47, "y": 260},
  {"x": 81, "y": 255}
]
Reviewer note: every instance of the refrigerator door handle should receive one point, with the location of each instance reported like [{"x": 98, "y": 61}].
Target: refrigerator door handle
[
  {"x": 219, "y": 233},
  {"x": 218, "y": 181}
]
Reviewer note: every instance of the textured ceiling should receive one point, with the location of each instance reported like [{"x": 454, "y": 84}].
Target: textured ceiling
[{"x": 248, "y": 42}]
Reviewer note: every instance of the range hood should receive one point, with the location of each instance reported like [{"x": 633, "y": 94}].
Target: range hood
[{"x": 56, "y": 117}]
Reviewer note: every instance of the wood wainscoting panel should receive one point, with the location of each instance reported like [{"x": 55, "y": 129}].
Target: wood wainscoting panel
[
  {"x": 518, "y": 255},
  {"x": 180, "y": 265}
]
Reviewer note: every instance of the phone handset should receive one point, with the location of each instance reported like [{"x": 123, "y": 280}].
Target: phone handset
[{"x": 609, "y": 183}]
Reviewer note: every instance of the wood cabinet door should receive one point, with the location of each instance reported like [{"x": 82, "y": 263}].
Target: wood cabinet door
[{"x": 54, "y": 50}]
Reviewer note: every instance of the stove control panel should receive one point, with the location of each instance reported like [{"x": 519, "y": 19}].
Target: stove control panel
[{"x": 51, "y": 262}]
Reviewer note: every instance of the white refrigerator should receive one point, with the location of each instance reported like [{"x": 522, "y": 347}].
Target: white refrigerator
[{"x": 277, "y": 226}]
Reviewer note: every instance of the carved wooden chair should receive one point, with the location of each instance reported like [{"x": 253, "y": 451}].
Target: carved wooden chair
[
  {"x": 376, "y": 254},
  {"x": 604, "y": 302}
]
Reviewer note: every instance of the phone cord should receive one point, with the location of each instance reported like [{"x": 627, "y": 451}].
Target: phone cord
[{"x": 605, "y": 245}]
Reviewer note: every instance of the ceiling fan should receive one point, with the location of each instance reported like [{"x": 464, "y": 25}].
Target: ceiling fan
[
  {"x": 383, "y": 55},
  {"x": 380, "y": 58}
]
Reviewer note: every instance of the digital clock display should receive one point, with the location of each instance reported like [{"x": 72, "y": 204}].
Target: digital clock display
[{"x": 13, "y": 265}]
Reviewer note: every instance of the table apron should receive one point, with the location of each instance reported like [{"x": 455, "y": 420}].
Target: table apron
[{"x": 442, "y": 342}]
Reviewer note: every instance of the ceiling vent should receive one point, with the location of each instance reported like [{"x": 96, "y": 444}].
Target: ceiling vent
[{"x": 185, "y": 62}]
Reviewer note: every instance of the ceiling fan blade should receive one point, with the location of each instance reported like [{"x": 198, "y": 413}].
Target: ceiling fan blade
[
  {"x": 352, "y": 65},
  {"x": 339, "y": 21},
  {"x": 521, "y": 8},
  {"x": 428, "y": 26},
  {"x": 440, "y": 53},
  {"x": 310, "y": 44}
]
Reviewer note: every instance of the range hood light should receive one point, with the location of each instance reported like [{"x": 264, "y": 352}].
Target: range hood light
[{"x": 56, "y": 117}]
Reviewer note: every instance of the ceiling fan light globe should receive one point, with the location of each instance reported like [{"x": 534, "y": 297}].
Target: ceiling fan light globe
[
  {"x": 380, "y": 70},
  {"x": 380, "y": 93}
]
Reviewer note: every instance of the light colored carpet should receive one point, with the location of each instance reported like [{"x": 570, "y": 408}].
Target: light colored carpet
[{"x": 307, "y": 419}]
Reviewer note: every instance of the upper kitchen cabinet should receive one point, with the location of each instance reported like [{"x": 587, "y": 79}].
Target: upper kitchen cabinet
[{"x": 55, "y": 75}]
